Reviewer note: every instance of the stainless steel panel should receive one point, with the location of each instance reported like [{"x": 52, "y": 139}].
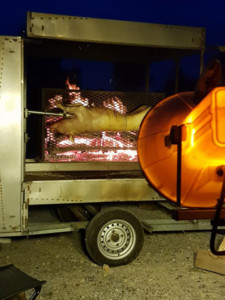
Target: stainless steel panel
[
  {"x": 11, "y": 133},
  {"x": 114, "y": 31},
  {"x": 82, "y": 166},
  {"x": 166, "y": 225},
  {"x": 88, "y": 191}
]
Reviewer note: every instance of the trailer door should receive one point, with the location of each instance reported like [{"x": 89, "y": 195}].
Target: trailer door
[{"x": 11, "y": 134}]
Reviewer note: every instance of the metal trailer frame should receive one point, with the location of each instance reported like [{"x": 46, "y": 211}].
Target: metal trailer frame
[{"x": 18, "y": 195}]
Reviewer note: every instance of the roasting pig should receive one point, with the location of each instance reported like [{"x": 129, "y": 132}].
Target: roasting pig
[{"x": 93, "y": 119}]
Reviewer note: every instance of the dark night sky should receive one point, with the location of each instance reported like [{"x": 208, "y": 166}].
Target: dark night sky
[
  {"x": 199, "y": 13},
  {"x": 208, "y": 14}
]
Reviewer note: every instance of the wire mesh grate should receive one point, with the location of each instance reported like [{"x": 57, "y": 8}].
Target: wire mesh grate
[{"x": 94, "y": 146}]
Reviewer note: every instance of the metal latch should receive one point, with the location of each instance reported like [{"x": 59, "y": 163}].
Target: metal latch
[{"x": 26, "y": 137}]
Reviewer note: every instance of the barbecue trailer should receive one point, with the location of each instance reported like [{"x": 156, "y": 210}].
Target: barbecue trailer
[{"x": 92, "y": 180}]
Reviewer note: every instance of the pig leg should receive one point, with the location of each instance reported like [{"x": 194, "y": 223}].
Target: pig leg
[{"x": 71, "y": 109}]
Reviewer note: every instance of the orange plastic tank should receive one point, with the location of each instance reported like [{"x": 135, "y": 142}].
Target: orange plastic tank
[{"x": 203, "y": 148}]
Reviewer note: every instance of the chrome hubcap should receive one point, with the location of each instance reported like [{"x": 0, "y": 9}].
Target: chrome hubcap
[{"x": 116, "y": 239}]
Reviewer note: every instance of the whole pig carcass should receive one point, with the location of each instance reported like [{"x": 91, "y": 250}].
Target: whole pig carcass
[{"x": 93, "y": 119}]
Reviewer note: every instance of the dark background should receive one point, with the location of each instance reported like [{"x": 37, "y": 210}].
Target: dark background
[{"x": 208, "y": 14}]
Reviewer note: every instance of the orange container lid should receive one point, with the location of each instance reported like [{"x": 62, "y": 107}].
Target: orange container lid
[{"x": 203, "y": 150}]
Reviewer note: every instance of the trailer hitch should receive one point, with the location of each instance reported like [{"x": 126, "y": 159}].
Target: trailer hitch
[{"x": 218, "y": 221}]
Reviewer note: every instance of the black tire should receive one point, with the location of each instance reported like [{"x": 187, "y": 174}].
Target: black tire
[
  {"x": 72, "y": 213},
  {"x": 65, "y": 214},
  {"x": 114, "y": 237}
]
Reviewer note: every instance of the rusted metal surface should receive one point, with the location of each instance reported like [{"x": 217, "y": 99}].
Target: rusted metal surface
[
  {"x": 89, "y": 191},
  {"x": 195, "y": 214}
]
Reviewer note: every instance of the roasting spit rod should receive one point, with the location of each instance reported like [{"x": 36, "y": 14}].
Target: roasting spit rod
[{"x": 34, "y": 112}]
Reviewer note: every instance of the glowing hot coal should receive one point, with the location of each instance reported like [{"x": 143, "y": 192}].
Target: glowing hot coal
[{"x": 115, "y": 104}]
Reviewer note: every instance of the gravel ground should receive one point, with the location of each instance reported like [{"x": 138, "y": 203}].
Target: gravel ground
[{"x": 163, "y": 270}]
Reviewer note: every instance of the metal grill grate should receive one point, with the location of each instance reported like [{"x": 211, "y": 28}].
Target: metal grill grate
[{"x": 97, "y": 146}]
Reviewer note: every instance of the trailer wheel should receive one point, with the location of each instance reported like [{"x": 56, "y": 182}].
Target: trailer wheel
[{"x": 114, "y": 237}]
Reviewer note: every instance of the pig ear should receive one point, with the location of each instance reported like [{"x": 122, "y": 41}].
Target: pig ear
[{"x": 210, "y": 78}]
